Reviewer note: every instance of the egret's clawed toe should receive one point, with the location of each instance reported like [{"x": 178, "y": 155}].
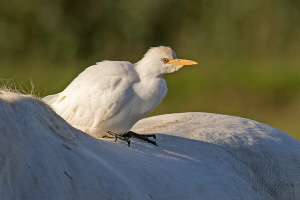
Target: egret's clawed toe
[
  {"x": 131, "y": 134},
  {"x": 116, "y": 136},
  {"x": 144, "y": 137}
]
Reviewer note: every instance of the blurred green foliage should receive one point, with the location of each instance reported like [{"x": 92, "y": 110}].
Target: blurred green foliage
[{"x": 248, "y": 51}]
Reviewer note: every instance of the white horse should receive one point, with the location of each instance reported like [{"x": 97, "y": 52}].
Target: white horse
[{"x": 199, "y": 156}]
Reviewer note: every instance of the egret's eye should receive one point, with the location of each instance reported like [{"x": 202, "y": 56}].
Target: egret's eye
[{"x": 165, "y": 60}]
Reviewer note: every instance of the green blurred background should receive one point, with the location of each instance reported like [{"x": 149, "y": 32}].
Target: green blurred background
[{"x": 248, "y": 51}]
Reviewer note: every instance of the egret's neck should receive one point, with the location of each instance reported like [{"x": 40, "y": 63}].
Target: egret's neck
[
  {"x": 148, "y": 70},
  {"x": 151, "y": 85}
]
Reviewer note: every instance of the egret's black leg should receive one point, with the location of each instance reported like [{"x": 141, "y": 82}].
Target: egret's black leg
[
  {"x": 145, "y": 137},
  {"x": 116, "y": 136}
]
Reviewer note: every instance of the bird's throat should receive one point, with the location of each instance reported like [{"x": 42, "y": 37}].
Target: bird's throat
[{"x": 151, "y": 89}]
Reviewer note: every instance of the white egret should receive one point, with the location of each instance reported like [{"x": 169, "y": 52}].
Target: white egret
[{"x": 110, "y": 97}]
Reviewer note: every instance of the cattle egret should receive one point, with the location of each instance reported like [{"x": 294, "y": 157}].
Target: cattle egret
[{"x": 108, "y": 98}]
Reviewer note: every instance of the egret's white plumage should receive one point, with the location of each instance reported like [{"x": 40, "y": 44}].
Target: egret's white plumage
[{"x": 114, "y": 95}]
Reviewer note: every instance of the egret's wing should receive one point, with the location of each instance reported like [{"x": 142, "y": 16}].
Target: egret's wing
[{"x": 97, "y": 94}]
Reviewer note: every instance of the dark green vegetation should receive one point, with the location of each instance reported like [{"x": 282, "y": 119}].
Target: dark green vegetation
[{"x": 248, "y": 51}]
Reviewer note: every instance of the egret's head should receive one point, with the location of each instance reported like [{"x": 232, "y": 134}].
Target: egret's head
[{"x": 161, "y": 60}]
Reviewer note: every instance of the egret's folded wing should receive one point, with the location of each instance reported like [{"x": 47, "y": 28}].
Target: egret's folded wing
[{"x": 97, "y": 94}]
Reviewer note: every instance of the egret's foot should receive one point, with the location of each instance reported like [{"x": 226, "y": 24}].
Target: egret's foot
[
  {"x": 116, "y": 136},
  {"x": 144, "y": 137}
]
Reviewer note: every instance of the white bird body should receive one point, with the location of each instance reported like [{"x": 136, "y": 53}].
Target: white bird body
[{"x": 114, "y": 95}]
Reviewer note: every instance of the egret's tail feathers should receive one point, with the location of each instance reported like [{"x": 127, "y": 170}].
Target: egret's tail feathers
[{"x": 50, "y": 99}]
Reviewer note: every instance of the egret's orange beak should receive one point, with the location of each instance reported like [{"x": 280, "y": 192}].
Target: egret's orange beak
[{"x": 182, "y": 62}]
